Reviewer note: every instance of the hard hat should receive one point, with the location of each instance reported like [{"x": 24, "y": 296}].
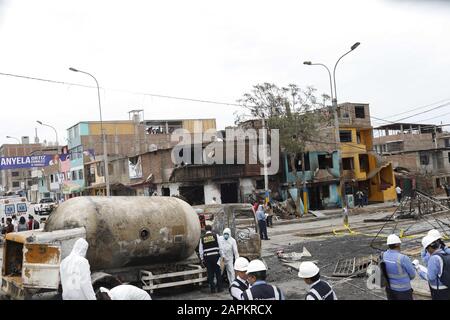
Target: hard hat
[
  {"x": 428, "y": 239},
  {"x": 393, "y": 239},
  {"x": 308, "y": 269},
  {"x": 435, "y": 233},
  {"x": 241, "y": 264},
  {"x": 255, "y": 266},
  {"x": 227, "y": 230}
]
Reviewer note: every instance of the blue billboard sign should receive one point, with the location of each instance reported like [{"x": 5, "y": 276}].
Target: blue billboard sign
[{"x": 25, "y": 162}]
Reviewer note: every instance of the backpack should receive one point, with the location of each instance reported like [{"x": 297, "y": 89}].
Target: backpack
[
  {"x": 445, "y": 276},
  {"x": 384, "y": 280}
]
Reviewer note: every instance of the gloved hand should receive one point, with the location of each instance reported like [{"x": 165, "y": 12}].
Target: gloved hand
[{"x": 416, "y": 263}]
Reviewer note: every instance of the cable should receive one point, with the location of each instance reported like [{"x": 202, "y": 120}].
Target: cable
[
  {"x": 120, "y": 90},
  {"x": 418, "y": 108}
]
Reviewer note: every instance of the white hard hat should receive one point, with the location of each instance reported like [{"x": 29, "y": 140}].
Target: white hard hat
[
  {"x": 435, "y": 233},
  {"x": 241, "y": 264},
  {"x": 227, "y": 231},
  {"x": 428, "y": 239},
  {"x": 308, "y": 269},
  {"x": 393, "y": 239},
  {"x": 255, "y": 266}
]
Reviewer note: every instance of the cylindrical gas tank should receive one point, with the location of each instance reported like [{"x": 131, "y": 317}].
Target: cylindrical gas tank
[{"x": 130, "y": 231}]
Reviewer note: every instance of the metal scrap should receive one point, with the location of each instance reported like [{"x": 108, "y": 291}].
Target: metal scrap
[
  {"x": 293, "y": 256},
  {"x": 352, "y": 266}
]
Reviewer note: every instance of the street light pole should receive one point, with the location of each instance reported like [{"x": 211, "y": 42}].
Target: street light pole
[
  {"x": 9, "y": 137},
  {"x": 336, "y": 120},
  {"x": 57, "y": 152},
  {"x": 105, "y": 152},
  {"x": 56, "y": 132}
]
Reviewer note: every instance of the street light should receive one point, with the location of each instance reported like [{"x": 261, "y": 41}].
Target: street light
[
  {"x": 56, "y": 132},
  {"x": 336, "y": 119},
  {"x": 9, "y": 137},
  {"x": 105, "y": 152}
]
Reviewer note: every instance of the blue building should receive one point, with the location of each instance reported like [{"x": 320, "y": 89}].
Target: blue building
[{"x": 322, "y": 176}]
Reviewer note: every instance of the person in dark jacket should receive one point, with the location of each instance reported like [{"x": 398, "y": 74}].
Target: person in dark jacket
[
  {"x": 209, "y": 251},
  {"x": 32, "y": 224}
]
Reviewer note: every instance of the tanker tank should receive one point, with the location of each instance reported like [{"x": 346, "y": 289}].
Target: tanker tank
[{"x": 130, "y": 231}]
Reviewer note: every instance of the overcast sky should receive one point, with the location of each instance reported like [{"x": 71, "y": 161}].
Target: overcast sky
[{"x": 214, "y": 50}]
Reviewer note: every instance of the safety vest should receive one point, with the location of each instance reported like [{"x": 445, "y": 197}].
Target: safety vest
[
  {"x": 262, "y": 291},
  {"x": 239, "y": 285},
  {"x": 210, "y": 245},
  {"x": 398, "y": 278},
  {"x": 321, "y": 290}
]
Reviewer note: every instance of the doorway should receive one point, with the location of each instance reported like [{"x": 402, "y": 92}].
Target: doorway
[
  {"x": 194, "y": 195},
  {"x": 229, "y": 192}
]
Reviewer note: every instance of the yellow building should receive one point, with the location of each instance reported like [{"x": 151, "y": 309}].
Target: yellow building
[{"x": 363, "y": 169}]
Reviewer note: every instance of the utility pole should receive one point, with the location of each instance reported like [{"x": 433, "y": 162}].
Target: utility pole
[{"x": 344, "y": 203}]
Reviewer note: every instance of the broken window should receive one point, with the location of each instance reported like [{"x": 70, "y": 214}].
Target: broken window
[
  {"x": 364, "y": 162},
  {"x": 165, "y": 192},
  {"x": 326, "y": 191},
  {"x": 359, "y": 112},
  {"x": 424, "y": 159},
  {"x": 347, "y": 163},
  {"x": 260, "y": 184},
  {"x": 394, "y": 146},
  {"x": 345, "y": 135},
  {"x": 325, "y": 161},
  {"x": 298, "y": 162}
]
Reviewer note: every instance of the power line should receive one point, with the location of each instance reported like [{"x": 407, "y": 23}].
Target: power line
[
  {"x": 418, "y": 108},
  {"x": 120, "y": 90}
]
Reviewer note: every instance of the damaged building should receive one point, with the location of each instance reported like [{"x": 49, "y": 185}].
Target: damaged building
[{"x": 420, "y": 154}]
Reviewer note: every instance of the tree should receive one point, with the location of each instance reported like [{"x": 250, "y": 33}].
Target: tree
[{"x": 296, "y": 113}]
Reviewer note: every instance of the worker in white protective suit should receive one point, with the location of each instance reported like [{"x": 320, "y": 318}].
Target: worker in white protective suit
[
  {"x": 126, "y": 292},
  {"x": 229, "y": 252},
  {"x": 75, "y": 274}
]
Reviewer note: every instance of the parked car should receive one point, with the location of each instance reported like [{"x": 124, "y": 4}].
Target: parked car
[{"x": 45, "y": 206}]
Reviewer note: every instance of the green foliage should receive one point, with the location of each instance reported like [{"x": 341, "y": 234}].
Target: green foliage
[{"x": 292, "y": 110}]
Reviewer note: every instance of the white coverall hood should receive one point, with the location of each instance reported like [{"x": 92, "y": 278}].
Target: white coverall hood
[
  {"x": 227, "y": 230},
  {"x": 80, "y": 248},
  {"x": 75, "y": 274}
]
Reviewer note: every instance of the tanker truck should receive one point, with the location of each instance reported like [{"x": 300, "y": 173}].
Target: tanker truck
[
  {"x": 133, "y": 239},
  {"x": 150, "y": 241}
]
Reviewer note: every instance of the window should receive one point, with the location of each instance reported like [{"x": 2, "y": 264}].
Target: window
[
  {"x": 347, "y": 163},
  {"x": 359, "y": 112},
  {"x": 298, "y": 162},
  {"x": 259, "y": 184},
  {"x": 21, "y": 207},
  {"x": 438, "y": 182},
  {"x": 447, "y": 143},
  {"x": 424, "y": 159},
  {"x": 15, "y": 173},
  {"x": 80, "y": 174},
  {"x": 51, "y": 179},
  {"x": 76, "y": 132},
  {"x": 74, "y": 175},
  {"x": 16, "y": 184},
  {"x": 10, "y": 209},
  {"x": 345, "y": 135},
  {"x": 30, "y": 183},
  {"x": 325, "y": 161},
  {"x": 449, "y": 157},
  {"x": 325, "y": 191},
  {"x": 165, "y": 192}
]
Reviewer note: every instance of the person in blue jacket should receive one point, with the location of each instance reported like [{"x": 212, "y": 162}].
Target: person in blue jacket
[
  {"x": 435, "y": 233},
  {"x": 399, "y": 271},
  {"x": 436, "y": 268}
]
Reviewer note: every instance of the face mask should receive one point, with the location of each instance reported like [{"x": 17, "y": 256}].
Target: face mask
[{"x": 226, "y": 236}]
